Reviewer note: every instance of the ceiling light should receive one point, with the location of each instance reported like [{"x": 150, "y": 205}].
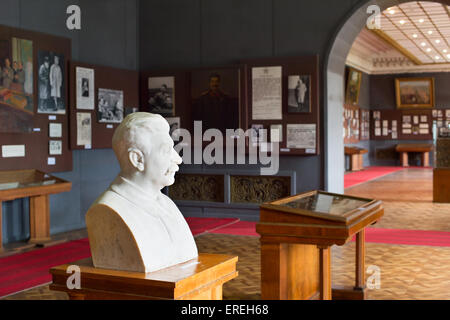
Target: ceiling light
[
  {"x": 430, "y": 32},
  {"x": 437, "y": 57},
  {"x": 421, "y": 20},
  {"x": 448, "y": 56},
  {"x": 429, "y": 50},
  {"x": 438, "y": 41},
  {"x": 402, "y": 21},
  {"x": 391, "y": 11},
  {"x": 444, "y": 51},
  {"x": 415, "y": 35},
  {"x": 423, "y": 44}
]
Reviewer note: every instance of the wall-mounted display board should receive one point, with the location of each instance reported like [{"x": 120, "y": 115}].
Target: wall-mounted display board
[
  {"x": 386, "y": 125},
  {"x": 442, "y": 118},
  {"x": 34, "y": 110},
  {"x": 402, "y": 125},
  {"x": 283, "y": 93},
  {"x": 100, "y": 97},
  {"x": 364, "y": 125},
  {"x": 351, "y": 124},
  {"x": 416, "y": 125}
]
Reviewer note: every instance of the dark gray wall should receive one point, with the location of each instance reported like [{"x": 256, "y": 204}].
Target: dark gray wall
[
  {"x": 108, "y": 36},
  {"x": 382, "y": 89}
]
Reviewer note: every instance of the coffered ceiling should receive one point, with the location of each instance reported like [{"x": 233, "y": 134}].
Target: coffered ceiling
[{"x": 413, "y": 37}]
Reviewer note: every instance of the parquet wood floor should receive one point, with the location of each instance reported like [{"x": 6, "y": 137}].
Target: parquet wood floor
[{"x": 407, "y": 272}]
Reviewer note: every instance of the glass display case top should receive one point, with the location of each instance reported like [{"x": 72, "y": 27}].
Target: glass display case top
[
  {"x": 326, "y": 203},
  {"x": 26, "y": 179}
]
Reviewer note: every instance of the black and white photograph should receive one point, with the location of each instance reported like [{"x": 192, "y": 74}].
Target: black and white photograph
[
  {"x": 110, "y": 106},
  {"x": 85, "y": 88},
  {"x": 51, "y": 83},
  {"x": 161, "y": 93},
  {"x": 174, "y": 124},
  {"x": 55, "y": 147},
  {"x": 257, "y": 133},
  {"x": 299, "y": 95}
]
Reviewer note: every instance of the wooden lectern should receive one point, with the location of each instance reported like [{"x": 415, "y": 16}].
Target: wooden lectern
[
  {"x": 198, "y": 279},
  {"x": 296, "y": 236}
]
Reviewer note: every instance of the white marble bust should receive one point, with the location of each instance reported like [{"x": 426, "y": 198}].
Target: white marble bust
[{"x": 133, "y": 226}]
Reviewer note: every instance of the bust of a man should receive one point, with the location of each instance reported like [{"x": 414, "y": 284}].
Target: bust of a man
[{"x": 133, "y": 226}]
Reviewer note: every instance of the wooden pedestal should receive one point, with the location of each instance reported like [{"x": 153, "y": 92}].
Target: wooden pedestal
[
  {"x": 441, "y": 185},
  {"x": 292, "y": 271},
  {"x": 198, "y": 279}
]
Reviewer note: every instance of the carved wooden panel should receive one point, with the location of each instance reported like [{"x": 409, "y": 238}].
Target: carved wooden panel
[
  {"x": 197, "y": 187},
  {"x": 258, "y": 189}
]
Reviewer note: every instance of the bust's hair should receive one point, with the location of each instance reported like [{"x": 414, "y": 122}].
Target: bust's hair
[{"x": 135, "y": 131}]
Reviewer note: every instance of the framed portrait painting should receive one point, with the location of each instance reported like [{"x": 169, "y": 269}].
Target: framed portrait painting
[
  {"x": 353, "y": 86},
  {"x": 414, "y": 92}
]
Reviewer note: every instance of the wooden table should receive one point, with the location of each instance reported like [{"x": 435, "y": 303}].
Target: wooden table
[
  {"x": 296, "y": 237},
  {"x": 423, "y": 148},
  {"x": 37, "y": 186},
  {"x": 356, "y": 157},
  {"x": 200, "y": 278}
]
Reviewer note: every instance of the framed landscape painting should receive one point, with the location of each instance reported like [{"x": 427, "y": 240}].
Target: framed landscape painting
[{"x": 414, "y": 92}]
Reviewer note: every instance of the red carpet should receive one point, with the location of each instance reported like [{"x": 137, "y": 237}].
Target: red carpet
[
  {"x": 30, "y": 269},
  {"x": 202, "y": 225},
  {"x": 241, "y": 228},
  {"x": 26, "y": 270},
  {"x": 370, "y": 173}
]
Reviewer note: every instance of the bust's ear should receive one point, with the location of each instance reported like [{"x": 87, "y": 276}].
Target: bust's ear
[{"x": 136, "y": 158}]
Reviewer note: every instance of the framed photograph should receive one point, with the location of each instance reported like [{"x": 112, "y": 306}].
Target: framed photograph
[
  {"x": 414, "y": 92},
  {"x": 55, "y": 147},
  {"x": 161, "y": 93},
  {"x": 51, "y": 83},
  {"x": 85, "y": 88},
  {"x": 110, "y": 106},
  {"x": 276, "y": 133},
  {"x": 299, "y": 94},
  {"x": 257, "y": 133},
  {"x": 353, "y": 86},
  {"x": 215, "y": 98},
  {"x": 55, "y": 130}
]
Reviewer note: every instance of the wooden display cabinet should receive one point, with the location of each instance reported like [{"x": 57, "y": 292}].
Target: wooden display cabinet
[
  {"x": 37, "y": 186},
  {"x": 296, "y": 236}
]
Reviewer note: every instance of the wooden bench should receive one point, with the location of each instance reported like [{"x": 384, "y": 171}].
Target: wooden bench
[
  {"x": 356, "y": 157},
  {"x": 423, "y": 148},
  {"x": 198, "y": 279}
]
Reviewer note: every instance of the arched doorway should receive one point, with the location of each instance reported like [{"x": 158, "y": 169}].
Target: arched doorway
[{"x": 334, "y": 87}]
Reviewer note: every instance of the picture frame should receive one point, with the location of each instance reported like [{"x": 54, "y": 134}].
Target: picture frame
[
  {"x": 299, "y": 94},
  {"x": 161, "y": 91},
  {"x": 414, "y": 93},
  {"x": 353, "y": 86}
]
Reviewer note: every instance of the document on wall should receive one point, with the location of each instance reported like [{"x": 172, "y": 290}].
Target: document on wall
[
  {"x": 85, "y": 88},
  {"x": 301, "y": 136},
  {"x": 267, "y": 93},
  {"x": 84, "y": 129}
]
